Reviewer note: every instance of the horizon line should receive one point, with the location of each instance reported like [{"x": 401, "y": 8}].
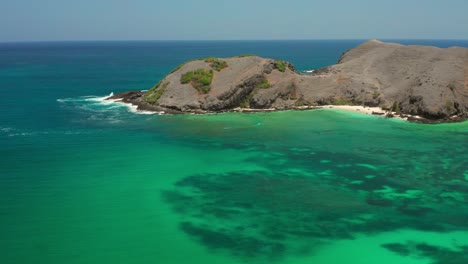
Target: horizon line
[{"x": 220, "y": 40}]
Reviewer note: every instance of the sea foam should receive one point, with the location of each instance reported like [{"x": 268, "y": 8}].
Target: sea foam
[{"x": 105, "y": 101}]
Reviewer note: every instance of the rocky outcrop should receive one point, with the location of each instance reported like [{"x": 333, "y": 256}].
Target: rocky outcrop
[{"x": 411, "y": 80}]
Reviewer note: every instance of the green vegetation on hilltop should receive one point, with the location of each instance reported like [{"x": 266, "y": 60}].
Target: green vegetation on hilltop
[
  {"x": 200, "y": 79},
  {"x": 216, "y": 64},
  {"x": 280, "y": 66},
  {"x": 153, "y": 95},
  {"x": 244, "y": 55}
]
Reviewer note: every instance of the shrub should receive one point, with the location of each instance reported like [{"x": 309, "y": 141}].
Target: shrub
[
  {"x": 280, "y": 66},
  {"x": 264, "y": 85},
  {"x": 211, "y": 59},
  {"x": 216, "y": 64},
  {"x": 186, "y": 77},
  {"x": 199, "y": 79}
]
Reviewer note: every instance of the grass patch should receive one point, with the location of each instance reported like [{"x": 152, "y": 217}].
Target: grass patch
[
  {"x": 216, "y": 64},
  {"x": 153, "y": 95},
  {"x": 200, "y": 79},
  {"x": 280, "y": 66},
  {"x": 264, "y": 85}
]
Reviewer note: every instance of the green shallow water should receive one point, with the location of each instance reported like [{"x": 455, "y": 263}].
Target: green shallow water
[
  {"x": 320, "y": 186},
  {"x": 84, "y": 181}
]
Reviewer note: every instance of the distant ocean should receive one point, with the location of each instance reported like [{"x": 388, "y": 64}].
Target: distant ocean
[{"x": 88, "y": 181}]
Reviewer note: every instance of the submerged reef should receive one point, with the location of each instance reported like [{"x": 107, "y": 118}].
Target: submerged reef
[
  {"x": 439, "y": 255},
  {"x": 283, "y": 211}
]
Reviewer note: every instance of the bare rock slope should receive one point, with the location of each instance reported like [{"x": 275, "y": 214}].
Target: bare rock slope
[{"x": 416, "y": 80}]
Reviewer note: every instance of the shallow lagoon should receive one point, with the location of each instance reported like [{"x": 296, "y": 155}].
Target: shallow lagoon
[
  {"x": 87, "y": 182},
  {"x": 290, "y": 187}
]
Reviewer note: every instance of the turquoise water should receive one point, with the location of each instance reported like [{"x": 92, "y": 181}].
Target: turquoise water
[{"x": 85, "y": 181}]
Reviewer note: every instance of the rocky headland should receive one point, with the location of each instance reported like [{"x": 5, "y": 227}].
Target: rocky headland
[{"x": 420, "y": 83}]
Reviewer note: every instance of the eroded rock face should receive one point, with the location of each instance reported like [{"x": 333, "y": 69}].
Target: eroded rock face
[{"x": 416, "y": 80}]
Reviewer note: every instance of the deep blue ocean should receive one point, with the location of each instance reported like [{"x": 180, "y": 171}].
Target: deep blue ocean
[{"x": 87, "y": 181}]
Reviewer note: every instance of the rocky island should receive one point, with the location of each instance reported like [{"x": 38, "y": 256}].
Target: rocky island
[{"x": 421, "y": 83}]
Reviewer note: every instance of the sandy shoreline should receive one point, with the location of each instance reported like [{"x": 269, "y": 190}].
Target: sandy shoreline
[
  {"x": 367, "y": 110},
  {"x": 359, "y": 109}
]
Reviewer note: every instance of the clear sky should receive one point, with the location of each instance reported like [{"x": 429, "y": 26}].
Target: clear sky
[{"x": 44, "y": 20}]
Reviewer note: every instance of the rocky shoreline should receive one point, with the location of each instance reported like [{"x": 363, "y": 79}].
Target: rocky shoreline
[
  {"x": 416, "y": 83},
  {"x": 135, "y": 98}
]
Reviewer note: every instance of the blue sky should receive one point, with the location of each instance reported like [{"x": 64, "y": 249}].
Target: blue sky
[{"x": 35, "y": 20}]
